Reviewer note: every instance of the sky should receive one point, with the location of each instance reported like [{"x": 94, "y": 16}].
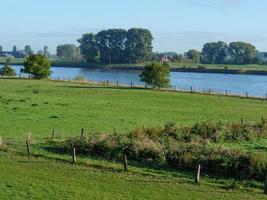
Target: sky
[{"x": 177, "y": 25}]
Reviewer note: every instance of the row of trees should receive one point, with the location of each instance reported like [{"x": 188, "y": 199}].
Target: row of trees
[
  {"x": 69, "y": 51},
  {"x": 117, "y": 46},
  {"x": 26, "y": 52},
  {"x": 221, "y": 53}
]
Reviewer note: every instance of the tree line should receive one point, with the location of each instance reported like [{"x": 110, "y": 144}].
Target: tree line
[
  {"x": 117, "y": 46},
  {"x": 221, "y": 53}
]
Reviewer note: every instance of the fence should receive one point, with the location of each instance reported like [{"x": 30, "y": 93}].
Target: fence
[
  {"x": 208, "y": 91},
  {"x": 197, "y": 172}
]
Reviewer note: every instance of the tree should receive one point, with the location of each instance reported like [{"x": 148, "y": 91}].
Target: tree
[
  {"x": 7, "y": 70},
  {"x": 156, "y": 75},
  {"x": 117, "y": 46},
  {"x": 138, "y": 45},
  {"x": 15, "y": 49},
  {"x": 88, "y": 47},
  {"x": 46, "y": 52},
  {"x": 194, "y": 55},
  {"x": 242, "y": 52},
  {"x": 111, "y": 45},
  {"x": 67, "y": 51},
  {"x": 215, "y": 52},
  {"x": 38, "y": 66},
  {"x": 28, "y": 49}
]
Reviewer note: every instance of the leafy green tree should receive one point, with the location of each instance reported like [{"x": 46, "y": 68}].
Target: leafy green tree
[
  {"x": 156, "y": 75},
  {"x": 67, "y": 51},
  {"x": 139, "y": 45},
  {"x": 194, "y": 55},
  {"x": 215, "y": 52},
  {"x": 242, "y": 52},
  {"x": 38, "y": 66},
  {"x": 7, "y": 70},
  {"x": 89, "y": 47},
  {"x": 111, "y": 45},
  {"x": 28, "y": 49}
]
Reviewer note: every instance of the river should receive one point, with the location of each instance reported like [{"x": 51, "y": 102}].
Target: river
[{"x": 255, "y": 85}]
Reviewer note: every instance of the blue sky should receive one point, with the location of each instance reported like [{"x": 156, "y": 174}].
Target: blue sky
[{"x": 177, "y": 25}]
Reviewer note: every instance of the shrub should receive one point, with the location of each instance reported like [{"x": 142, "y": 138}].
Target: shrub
[
  {"x": 79, "y": 78},
  {"x": 7, "y": 70},
  {"x": 38, "y": 66},
  {"x": 181, "y": 147},
  {"x": 156, "y": 75}
]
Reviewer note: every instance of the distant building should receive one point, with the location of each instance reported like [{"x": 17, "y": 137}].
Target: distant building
[
  {"x": 262, "y": 56},
  {"x": 16, "y": 54},
  {"x": 165, "y": 58}
]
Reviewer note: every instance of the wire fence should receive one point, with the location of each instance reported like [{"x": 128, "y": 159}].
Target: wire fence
[{"x": 193, "y": 90}]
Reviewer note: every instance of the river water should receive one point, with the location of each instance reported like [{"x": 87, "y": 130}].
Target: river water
[{"x": 254, "y": 85}]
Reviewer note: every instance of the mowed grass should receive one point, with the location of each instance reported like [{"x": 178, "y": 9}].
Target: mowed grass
[
  {"x": 39, "y": 178},
  {"x": 40, "y": 106}
]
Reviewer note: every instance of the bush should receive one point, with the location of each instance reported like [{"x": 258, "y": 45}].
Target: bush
[
  {"x": 7, "y": 70},
  {"x": 181, "y": 147},
  {"x": 79, "y": 78},
  {"x": 156, "y": 75},
  {"x": 38, "y": 66}
]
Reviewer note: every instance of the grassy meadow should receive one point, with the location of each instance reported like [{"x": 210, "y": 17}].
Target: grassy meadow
[{"x": 41, "y": 106}]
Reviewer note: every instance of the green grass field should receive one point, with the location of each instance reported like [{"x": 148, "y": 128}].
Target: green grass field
[
  {"x": 40, "y": 106},
  {"x": 39, "y": 178}
]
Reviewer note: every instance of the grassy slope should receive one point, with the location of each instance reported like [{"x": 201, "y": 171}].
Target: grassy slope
[
  {"x": 39, "y": 178},
  {"x": 40, "y": 106}
]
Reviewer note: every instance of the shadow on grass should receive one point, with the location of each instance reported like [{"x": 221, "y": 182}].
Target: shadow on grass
[
  {"x": 106, "y": 87},
  {"x": 147, "y": 168}
]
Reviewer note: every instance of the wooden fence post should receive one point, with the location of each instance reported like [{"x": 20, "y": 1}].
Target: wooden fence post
[
  {"x": 74, "y": 155},
  {"x": 226, "y": 92},
  {"x": 82, "y": 131},
  {"x": 53, "y": 133},
  {"x": 125, "y": 163},
  {"x": 197, "y": 176},
  {"x": 28, "y": 147},
  {"x": 30, "y": 136},
  {"x": 191, "y": 89},
  {"x": 265, "y": 184}
]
